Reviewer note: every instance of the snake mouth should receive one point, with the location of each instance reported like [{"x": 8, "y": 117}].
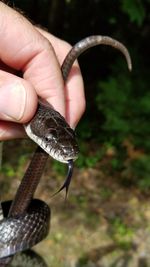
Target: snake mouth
[
  {"x": 61, "y": 158},
  {"x": 61, "y": 155}
]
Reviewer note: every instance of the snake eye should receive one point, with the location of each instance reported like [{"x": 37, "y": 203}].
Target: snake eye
[
  {"x": 46, "y": 139},
  {"x": 51, "y": 135}
]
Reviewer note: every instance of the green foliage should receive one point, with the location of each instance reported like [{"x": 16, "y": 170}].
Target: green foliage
[
  {"x": 140, "y": 172},
  {"x": 60, "y": 168},
  {"x": 116, "y": 163},
  {"x": 87, "y": 160},
  {"x": 125, "y": 103},
  {"x": 135, "y": 10},
  {"x": 16, "y": 169},
  {"x": 105, "y": 193},
  {"x": 121, "y": 233},
  {"x": 8, "y": 170},
  {"x": 113, "y": 102}
]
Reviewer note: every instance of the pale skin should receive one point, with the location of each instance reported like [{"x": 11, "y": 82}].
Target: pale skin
[{"x": 38, "y": 55}]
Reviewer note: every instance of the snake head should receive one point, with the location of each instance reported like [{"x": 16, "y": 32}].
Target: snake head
[{"x": 53, "y": 134}]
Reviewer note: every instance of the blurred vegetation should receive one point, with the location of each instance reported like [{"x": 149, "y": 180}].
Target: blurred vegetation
[{"x": 116, "y": 123}]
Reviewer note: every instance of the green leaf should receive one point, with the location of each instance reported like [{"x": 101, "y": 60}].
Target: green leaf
[{"x": 135, "y": 10}]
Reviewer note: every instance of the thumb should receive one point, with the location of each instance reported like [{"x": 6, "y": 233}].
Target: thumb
[{"x": 18, "y": 99}]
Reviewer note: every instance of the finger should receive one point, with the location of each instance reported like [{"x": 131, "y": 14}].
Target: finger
[
  {"x": 11, "y": 130},
  {"x": 18, "y": 99},
  {"x": 22, "y": 47},
  {"x": 4, "y": 67},
  {"x": 75, "y": 97}
]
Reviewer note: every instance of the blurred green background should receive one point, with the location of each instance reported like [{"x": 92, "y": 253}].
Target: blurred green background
[{"x": 110, "y": 191}]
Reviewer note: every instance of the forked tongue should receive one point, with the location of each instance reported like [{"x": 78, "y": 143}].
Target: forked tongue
[{"x": 67, "y": 181}]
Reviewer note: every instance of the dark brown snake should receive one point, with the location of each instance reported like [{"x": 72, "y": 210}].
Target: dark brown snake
[{"x": 26, "y": 220}]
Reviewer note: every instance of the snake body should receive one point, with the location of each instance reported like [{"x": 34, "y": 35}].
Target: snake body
[{"x": 26, "y": 221}]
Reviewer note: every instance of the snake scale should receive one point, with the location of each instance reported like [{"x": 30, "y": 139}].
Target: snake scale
[{"x": 25, "y": 220}]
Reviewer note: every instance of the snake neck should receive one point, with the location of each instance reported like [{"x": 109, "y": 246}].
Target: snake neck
[{"x": 29, "y": 183}]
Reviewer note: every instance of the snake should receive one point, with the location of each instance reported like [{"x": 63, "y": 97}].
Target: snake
[{"x": 25, "y": 221}]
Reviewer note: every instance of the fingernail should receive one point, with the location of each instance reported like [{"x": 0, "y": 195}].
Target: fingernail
[{"x": 12, "y": 101}]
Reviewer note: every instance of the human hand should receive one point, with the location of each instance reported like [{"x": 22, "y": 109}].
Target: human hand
[{"x": 38, "y": 55}]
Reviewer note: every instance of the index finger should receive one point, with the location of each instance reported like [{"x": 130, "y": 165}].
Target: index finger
[
  {"x": 23, "y": 48},
  {"x": 74, "y": 87}
]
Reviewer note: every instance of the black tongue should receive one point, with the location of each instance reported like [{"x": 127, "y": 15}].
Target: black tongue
[{"x": 68, "y": 179}]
